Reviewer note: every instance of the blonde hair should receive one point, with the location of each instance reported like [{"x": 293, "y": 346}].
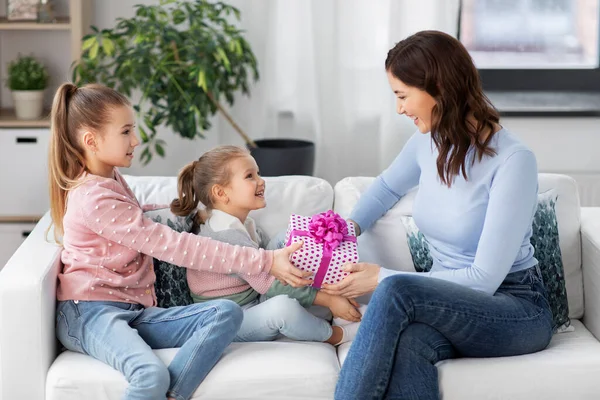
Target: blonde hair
[
  {"x": 196, "y": 179},
  {"x": 74, "y": 108}
]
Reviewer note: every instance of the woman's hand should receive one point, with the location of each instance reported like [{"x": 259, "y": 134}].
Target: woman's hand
[
  {"x": 363, "y": 279},
  {"x": 284, "y": 271}
]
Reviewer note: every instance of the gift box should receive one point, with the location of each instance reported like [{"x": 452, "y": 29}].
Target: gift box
[{"x": 329, "y": 244}]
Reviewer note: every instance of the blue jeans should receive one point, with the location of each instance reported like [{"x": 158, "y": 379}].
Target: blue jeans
[
  {"x": 123, "y": 335},
  {"x": 281, "y": 315},
  {"x": 414, "y": 321}
]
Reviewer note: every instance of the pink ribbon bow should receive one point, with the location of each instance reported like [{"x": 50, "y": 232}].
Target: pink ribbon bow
[{"x": 328, "y": 228}]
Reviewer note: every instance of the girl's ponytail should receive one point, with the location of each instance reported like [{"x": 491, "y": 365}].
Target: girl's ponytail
[
  {"x": 187, "y": 201},
  {"x": 65, "y": 158}
]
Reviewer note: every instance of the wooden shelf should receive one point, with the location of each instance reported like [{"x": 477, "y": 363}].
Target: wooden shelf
[
  {"x": 8, "y": 119},
  {"x": 24, "y": 219},
  {"x": 61, "y": 24}
]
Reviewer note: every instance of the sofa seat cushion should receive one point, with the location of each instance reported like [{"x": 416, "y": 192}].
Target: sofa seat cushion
[
  {"x": 567, "y": 369},
  {"x": 266, "y": 370}
]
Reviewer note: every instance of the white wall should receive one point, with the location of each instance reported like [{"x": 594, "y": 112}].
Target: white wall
[{"x": 565, "y": 145}]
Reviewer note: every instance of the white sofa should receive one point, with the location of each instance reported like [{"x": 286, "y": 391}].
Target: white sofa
[{"x": 31, "y": 368}]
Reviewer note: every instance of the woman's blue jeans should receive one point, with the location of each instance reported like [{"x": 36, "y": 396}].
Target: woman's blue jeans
[
  {"x": 123, "y": 335},
  {"x": 413, "y": 322}
]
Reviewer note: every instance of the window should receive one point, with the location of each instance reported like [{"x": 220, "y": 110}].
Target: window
[{"x": 533, "y": 44}]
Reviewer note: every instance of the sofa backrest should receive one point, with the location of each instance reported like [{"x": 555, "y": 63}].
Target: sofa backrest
[
  {"x": 385, "y": 243},
  {"x": 304, "y": 195}
]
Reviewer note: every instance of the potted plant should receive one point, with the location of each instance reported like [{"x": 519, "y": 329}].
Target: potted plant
[
  {"x": 27, "y": 79},
  {"x": 184, "y": 57}
]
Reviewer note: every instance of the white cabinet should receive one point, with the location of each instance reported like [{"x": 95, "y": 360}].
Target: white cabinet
[
  {"x": 24, "y": 173},
  {"x": 11, "y": 237}
]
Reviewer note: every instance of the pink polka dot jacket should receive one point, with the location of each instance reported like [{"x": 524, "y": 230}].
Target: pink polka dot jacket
[{"x": 108, "y": 246}]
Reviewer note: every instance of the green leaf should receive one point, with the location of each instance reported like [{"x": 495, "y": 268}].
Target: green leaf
[
  {"x": 178, "y": 17},
  {"x": 94, "y": 51},
  {"x": 143, "y": 134},
  {"x": 159, "y": 149},
  {"x": 223, "y": 57},
  {"x": 238, "y": 48},
  {"x": 202, "y": 80},
  {"x": 108, "y": 46},
  {"x": 89, "y": 42},
  {"x": 148, "y": 123},
  {"x": 146, "y": 156}
]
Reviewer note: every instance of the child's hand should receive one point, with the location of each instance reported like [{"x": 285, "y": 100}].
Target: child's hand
[{"x": 342, "y": 307}]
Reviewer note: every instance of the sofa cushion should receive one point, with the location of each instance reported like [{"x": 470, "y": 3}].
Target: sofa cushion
[
  {"x": 285, "y": 195},
  {"x": 545, "y": 241},
  {"x": 568, "y": 216},
  {"x": 267, "y": 370},
  {"x": 375, "y": 245},
  {"x": 171, "y": 285},
  {"x": 567, "y": 369}
]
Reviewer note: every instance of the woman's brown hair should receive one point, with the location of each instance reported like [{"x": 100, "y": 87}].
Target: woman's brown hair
[
  {"x": 440, "y": 65},
  {"x": 73, "y": 109},
  {"x": 195, "y": 180}
]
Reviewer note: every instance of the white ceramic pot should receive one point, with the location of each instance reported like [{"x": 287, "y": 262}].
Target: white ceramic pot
[{"x": 29, "y": 104}]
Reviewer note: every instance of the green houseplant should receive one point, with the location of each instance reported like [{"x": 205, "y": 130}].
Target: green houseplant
[
  {"x": 27, "y": 79},
  {"x": 184, "y": 57}
]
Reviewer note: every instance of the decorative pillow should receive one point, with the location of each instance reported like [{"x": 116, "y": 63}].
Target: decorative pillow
[
  {"x": 545, "y": 241},
  {"x": 418, "y": 245},
  {"x": 171, "y": 282}
]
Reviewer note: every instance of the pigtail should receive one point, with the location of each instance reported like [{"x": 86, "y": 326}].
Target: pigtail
[{"x": 187, "y": 201}]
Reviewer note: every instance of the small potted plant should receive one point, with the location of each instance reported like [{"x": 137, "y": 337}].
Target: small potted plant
[{"x": 27, "y": 79}]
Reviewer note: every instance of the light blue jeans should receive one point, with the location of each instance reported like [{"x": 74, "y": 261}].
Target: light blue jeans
[
  {"x": 414, "y": 321},
  {"x": 123, "y": 335},
  {"x": 281, "y": 315}
]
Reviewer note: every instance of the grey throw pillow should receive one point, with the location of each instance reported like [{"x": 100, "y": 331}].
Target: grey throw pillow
[{"x": 171, "y": 285}]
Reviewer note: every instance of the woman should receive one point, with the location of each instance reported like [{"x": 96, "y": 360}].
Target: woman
[{"x": 475, "y": 204}]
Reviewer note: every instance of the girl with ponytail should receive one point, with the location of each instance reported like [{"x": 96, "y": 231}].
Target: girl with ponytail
[
  {"x": 106, "y": 300},
  {"x": 226, "y": 180}
]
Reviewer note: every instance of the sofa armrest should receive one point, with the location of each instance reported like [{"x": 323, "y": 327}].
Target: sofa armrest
[
  {"x": 27, "y": 316},
  {"x": 590, "y": 263}
]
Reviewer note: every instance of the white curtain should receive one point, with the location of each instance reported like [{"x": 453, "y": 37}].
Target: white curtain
[{"x": 323, "y": 79}]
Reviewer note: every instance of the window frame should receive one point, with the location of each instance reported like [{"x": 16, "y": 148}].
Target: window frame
[{"x": 539, "y": 80}]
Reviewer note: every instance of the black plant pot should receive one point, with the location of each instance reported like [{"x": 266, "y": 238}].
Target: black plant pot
[{"x": 277, "y": 157}]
